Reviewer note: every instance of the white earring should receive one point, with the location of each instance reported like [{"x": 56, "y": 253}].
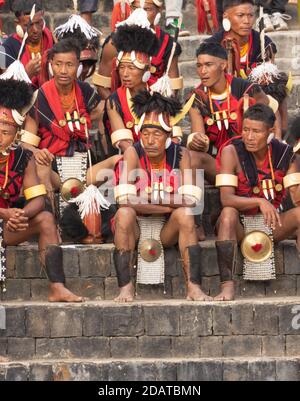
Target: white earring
[
  {"x": 19, "y": 31},
  {"x": 44, "y": 24},
  {"x": 50, "y": 70},
  {"x": 142, "y": 145},
  {"x": 226, "y": 24},
  {"x": 146, "y": 76},
  {"x": 168, "y": 143},
  {"x": 79, "y": 70},
  {"x": 157, "y": 19},
  {"x": 270, "y": 138}
]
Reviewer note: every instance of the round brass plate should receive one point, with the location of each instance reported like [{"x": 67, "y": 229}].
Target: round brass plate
[
  {"x": 71, "y": 188},
  {"x": 150, "y": 250},
  {"x": 256, "y": 246}
]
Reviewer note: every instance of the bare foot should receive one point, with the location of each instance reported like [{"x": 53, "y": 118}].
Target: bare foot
[
  {"x": 227, "y": 292},
  {"x": 59, "y": 293},
  {"x": 126, "y": 294},
  {"x": 200, "y": 232},
  {"x": 194, "y": 293}
]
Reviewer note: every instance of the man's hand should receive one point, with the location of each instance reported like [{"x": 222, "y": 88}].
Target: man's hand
[
  {"x": 271, "y": 216},
  {"x": 44, "y": 157},
  {"x": 15, "y": 220},
  {"x": 33, "y": 67},
  {"x": 200, "y": 142}
]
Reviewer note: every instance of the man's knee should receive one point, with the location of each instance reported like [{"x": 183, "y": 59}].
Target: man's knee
[
  {"x": 183, "y": 217},
  {"x": 46, "y": 222},
  {"x": 229, "y": 217},
  {"x": 125, "y": 217}
]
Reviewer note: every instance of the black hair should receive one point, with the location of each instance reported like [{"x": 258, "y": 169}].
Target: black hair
[
  {"x": 212, "y": 49},
  {"x": 261, "y": 112},
  {"x": 144, "y": 102},
  {"x": 21, "y": 7},
  {"x": 15, "y": 94},
  {"x": 67, "y": 45},
  {"x": 233, "y": 3},
  {"x": 129, "y": 38},
  {"x": 81, "y": 39}
]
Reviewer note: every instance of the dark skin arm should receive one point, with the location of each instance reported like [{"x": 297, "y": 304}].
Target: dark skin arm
[
  {"x": 116, "y": 123},
  {"x": 105, "y": 67},
  {"x": 230, "y": 165},
  {"x": 17, "y": 219}
]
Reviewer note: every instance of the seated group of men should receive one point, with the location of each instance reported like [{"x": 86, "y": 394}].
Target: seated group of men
[{"x": 238, "y": 115}]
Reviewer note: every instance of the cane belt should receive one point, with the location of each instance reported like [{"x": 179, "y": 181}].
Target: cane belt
[
  {"x": 150, "y": 272},
  {"x": 2, "y": 259},
  {"x": 71, "y": 167},
  {"x": 264, "y": 270}
]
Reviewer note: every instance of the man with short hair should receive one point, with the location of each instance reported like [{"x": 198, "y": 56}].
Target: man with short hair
[
  {"x": 238, "y": 37},
  {"x": 218, "y": 106},
  {"x": 255, "y": 172},
  {"x": 64, "y": 110},
  {"x": 39, "y": 40}
]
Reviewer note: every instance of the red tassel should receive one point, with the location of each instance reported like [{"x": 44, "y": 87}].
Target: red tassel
[
  {"x": 117, "y": 15},
  {"x": 207, "y": 11}
]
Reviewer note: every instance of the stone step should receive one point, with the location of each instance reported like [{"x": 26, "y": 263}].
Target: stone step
[
  {"x": 155, "y": 329},
  {"x": 217, "y": 369},
  {"x": 90, "y": 272}
]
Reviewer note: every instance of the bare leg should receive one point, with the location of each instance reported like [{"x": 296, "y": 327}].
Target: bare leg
[
  {"x": 44, "y": 225},
  {"x": 181, "y": 228},
  {"x": 51, "y": 181},
  {"x": 290, "y": 223},
  {"x": 230, "y": 230},
  {"x": 201, "y": 160},
  {"x": 126, "y": 235}
]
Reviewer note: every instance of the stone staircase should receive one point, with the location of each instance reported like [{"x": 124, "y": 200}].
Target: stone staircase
[{"x": 161, "y": 336}]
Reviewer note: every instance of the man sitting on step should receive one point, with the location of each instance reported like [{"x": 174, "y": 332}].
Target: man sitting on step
[
  {"x": 17, "y": 173},
  {"x": 255, "y": 172},
  {"x": 218, "y": 107},
  {"x": 154, "y": 190},
  {"x": 65, "y": 107},
  {"x": 238, "y": 37}
]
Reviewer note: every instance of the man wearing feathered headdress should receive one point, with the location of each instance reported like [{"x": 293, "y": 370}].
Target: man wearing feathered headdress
[
  {"x": 163, "y": 165},
  {"x": 146, "y": 14},
  {"x": 17, "y": 172}
]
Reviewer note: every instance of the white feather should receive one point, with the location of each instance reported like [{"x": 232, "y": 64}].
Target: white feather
[
  {"x": 264, "y": 74},
  {"x": 74, "y": 22},
  {"x": 91, "y": 201},
  {"x": 16, "y": 71},
  {"x": 138, "y": 17},
  {"x": 162, "y": 86}
]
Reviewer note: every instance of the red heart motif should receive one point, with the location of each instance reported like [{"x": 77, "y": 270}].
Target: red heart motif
[
  {"x": 256, "y": 247},
  {"x": 152, "y": 252}
]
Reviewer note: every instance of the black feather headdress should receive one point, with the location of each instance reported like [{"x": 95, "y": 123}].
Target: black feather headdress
[
  {"x": 128, "y": 38},
  {"x": 145, "y": 102},
  {"x": 15, "y": 94}
]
